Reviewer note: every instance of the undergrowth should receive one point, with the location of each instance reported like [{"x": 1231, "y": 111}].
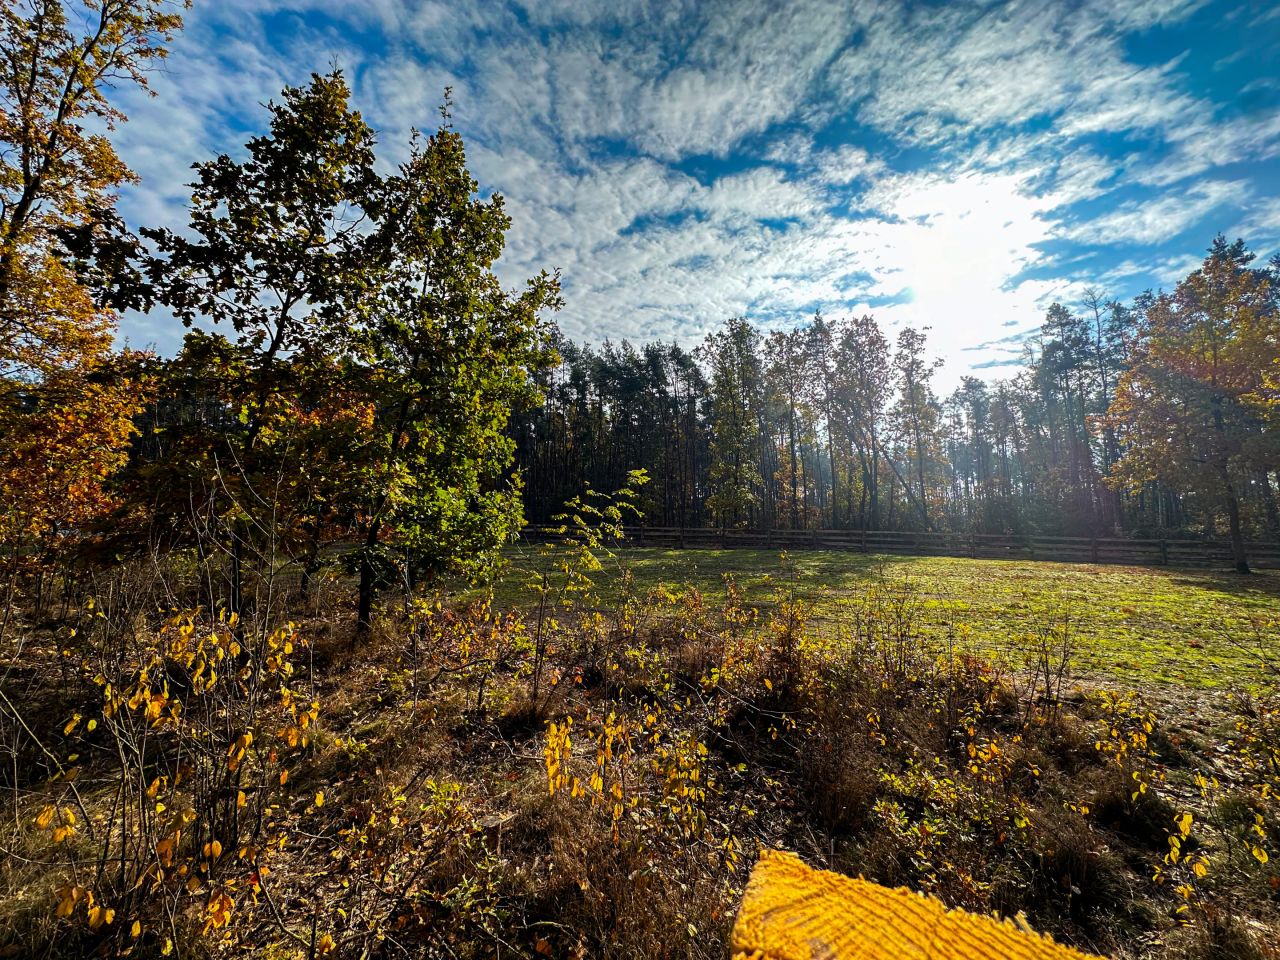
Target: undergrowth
[{"x": 588, "y": 777}]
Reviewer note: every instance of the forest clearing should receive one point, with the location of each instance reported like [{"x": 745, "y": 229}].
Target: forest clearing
[{"x": 1187, "y": 628}]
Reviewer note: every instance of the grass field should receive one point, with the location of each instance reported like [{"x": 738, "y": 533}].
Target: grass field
[{"x": 1134, "y": 626}]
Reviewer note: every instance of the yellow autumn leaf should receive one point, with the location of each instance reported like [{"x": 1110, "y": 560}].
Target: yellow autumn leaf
[
  {"x": 68, "y": 897},
  {"x": 319, "y": 798},
  {"x": 218, "y": 912}
]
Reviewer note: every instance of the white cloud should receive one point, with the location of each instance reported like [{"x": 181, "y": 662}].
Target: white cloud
[
  {"x": 845, "y": 164},
  {"x": 1204, "y": 143},
  {"x": 933, "y": 73},
  {"x": 1261, "y": 225},
  {"x": 1156, "y": 220},
  {"x": 586, "y": 114}
]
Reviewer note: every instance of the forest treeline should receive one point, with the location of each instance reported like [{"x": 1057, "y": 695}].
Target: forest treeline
[
  {"x": 352, "y": 369},
  {"x": 1146, "y": 417}
]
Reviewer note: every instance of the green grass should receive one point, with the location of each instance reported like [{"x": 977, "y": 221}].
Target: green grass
[{"x": 1130, "y": 625}]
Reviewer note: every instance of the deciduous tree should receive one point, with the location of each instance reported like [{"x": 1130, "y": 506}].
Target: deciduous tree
[
  {"x": 1183, "y": 408},
  {"x": 65, "y": 419},
  {"x": 443, "y": 354},
  {"x": 57, "y": 66}
]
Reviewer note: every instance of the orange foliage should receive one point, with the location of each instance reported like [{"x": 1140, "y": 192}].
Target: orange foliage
[
  {"x": 58, "y": 457},
  {"x": 63, "y": 427}
]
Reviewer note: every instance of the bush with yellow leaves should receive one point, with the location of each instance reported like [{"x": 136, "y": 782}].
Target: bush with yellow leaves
[
  {"x": 646, "y": 838},
  {"x": 473, "y": 648},
  {"x": 1257, "y": 749},
  {"x": 646, "y": 778},
  {"x": 197, "y": 726}
]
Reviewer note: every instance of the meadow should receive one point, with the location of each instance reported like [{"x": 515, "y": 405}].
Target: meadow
[{"x": 1154, "y": 627}]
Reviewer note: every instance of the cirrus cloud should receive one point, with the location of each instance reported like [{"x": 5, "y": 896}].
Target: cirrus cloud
[{"x": 958, "y": 166}]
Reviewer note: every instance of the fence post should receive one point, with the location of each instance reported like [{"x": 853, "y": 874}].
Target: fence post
[
  {"x": 864, "y": 539},
  {"x": 1164, "y": 552},
  {"x": 1093, "y": 549},
  {"x": 1031, "y": 547},
  {"x": 815, "y": 538}
]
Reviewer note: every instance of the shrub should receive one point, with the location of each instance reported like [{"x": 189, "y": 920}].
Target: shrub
[{"x": 197, "y": 728}]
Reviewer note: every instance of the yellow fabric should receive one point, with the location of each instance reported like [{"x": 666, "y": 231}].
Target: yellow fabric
[{"x": 792, "y": 912}]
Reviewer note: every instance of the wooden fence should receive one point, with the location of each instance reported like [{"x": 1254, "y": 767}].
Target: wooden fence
[{"x": 1172, "y": 553}]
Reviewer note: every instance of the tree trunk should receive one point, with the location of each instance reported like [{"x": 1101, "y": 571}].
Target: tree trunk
[
  {"x": 364, "y": 604},
  {"x": 835, "y": 487},
  {"x": 1233, "y": 518},
  {"x": 235, "y": 599}
]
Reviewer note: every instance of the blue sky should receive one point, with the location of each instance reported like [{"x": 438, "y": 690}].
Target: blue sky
[{"x": 956, "y": 165}]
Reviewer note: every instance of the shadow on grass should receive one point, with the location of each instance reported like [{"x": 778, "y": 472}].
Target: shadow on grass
[{"x": 1259, "y": 583}]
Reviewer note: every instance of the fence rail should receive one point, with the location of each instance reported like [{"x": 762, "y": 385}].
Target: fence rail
[{"x": 1172, "y": 553}]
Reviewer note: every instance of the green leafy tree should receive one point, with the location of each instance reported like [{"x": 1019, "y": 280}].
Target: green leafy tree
[
  {"x": 917, "y": 411},
  {"x": 443, "y": 354},
  {"x": 788, "y": 376},
  {"x": 370, "y": 358},
  {"x": 865, "y": 381},
  {"x": 273, "y": 256}
]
